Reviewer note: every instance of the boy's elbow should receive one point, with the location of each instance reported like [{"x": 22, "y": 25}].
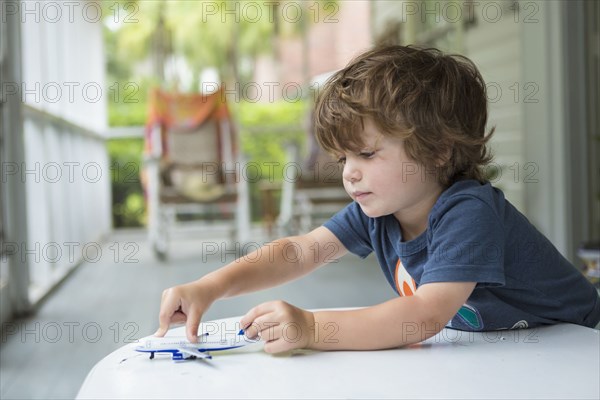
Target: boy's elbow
[
  {"x": 427, "y": 323},
  {"x": 432, "y": 326},
  {"x": 420, "y": 330},
  {"x": 437, "y": 303}
]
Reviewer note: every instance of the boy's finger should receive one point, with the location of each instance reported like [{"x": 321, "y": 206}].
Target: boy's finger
[
  {"x": 191, "y": 325},
  {"x": 254, "y": 313},
  {"x": 177, "y": 318},
  {"x": 262, "y": 323},
  {"x": 247, "y": 323},
  {"x": 164, "y": 322},
  {"x": 251, "y": 331},
  {"x": 160, "y": 332},
  {"x": 169, "y": 305}
]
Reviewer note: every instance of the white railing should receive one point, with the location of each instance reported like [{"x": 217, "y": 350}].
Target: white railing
[{"x": 67, "y": 182}]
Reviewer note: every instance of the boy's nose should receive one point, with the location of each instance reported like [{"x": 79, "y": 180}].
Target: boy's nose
[{"x": 351, "y": 173}]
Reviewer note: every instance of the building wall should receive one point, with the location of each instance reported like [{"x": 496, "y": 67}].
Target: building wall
[
  {"x": 322, "y": 47},
  {"x": 354, "y": 32},
  {"x": 339, "y": 34},
  {"x": 335, "y": 35}
]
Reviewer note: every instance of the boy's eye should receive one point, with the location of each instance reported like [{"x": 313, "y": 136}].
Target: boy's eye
[
  {"x": 366, "y": 154},
  {"x": 341, "y": 160}
]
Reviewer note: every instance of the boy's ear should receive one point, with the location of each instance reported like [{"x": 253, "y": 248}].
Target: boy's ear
[{"x": 444, "y": 158}]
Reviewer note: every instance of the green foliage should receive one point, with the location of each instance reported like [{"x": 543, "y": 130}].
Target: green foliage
[
  {"x": 127, "y": 195},
  {"x": 128, "y": 102},
  {"x": 214, "y": 33},
  {"x": 266, "y": 130},
  {"x": 127, "y": 94},
  {"x": 203, "y": 32}
]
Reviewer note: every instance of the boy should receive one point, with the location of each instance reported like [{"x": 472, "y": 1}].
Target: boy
[{"x": 408, "y": 125}]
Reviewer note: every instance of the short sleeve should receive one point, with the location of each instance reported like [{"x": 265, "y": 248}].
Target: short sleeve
[
  {"x": 351, "y": 227},
  {"x": 465, "y": 243}
]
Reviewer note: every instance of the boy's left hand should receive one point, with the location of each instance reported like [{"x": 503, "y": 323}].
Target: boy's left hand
[{"x": 281, "y": 325}]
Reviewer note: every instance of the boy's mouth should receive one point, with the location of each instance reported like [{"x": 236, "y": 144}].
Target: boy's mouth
[{"x": 360, "y": 195}]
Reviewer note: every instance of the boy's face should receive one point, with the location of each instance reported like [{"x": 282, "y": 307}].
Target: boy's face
[{"x": 383, "y": 180}]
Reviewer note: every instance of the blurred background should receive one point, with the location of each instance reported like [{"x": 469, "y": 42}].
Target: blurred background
[{"x": 145, "y": 143}]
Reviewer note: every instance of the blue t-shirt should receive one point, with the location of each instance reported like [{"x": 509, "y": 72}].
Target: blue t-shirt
[{"x": 475, "y": 235}]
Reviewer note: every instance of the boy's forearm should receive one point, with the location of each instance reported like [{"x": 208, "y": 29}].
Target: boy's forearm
[
  {"x": 396, "y": 323},
  {"x": 273, "y": 264}
]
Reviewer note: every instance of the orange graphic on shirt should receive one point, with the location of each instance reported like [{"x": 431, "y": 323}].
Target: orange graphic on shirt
[{"x": 405, "y": 284}]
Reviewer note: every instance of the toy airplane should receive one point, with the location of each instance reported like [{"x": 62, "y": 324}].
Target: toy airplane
[{"x": 181, "y": 349}]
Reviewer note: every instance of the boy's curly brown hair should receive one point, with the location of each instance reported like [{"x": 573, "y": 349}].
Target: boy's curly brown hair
[{"x": 435, "y": 102}]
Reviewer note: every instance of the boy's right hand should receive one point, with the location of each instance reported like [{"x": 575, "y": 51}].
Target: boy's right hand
[{"x": 184, "y": 304}]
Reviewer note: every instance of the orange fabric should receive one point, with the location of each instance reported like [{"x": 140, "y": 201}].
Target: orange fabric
[{"x": 183, "y": 112}]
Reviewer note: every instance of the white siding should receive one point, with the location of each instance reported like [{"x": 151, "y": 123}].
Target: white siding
[{"x": 495, "y": 48}]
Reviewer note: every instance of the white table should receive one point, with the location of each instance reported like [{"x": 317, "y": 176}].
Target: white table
[{"x": 561, "y": 361}]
